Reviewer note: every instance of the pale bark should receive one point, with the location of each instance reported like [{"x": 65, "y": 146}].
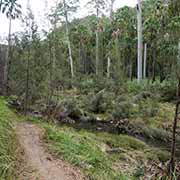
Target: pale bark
[
  {"x": 145, "y": 59},
  {"x": 68, "y": 39},
  {"x": 108, "y": 67},
  {"x": 109, "y": 45},
  {"x": 6, "y": 64},
  {"x": 119, "y": 69},
  {"x": 140, "y": 45},
  {"x": 97, "y": 43}
]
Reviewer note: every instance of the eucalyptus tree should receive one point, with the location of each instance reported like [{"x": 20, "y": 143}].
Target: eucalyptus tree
[
  {"x": 125, "y": 38},
  {"x": 98, "y": 6},
  {"x": 111, "y": 3},
  {"x": 145, "y": 61},
  {"x": 53, "y": 18},
  {"x": 140, "y": 45},
  {"x": 12, "y": 10},
  {"x": 28, "y": 21},
  {"x": 66, "y": 8},
  {"x": 80, "y": 36}
]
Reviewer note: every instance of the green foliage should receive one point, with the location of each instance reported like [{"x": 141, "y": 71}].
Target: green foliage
[
  {"x": 168, "y": 90},
  {"x": 148, "y": 108},
  {"x": 117, "y": 39},
  {"x": 123, "y": 110},
  {"x": 100, "y": 103},
  {"x": 164, "y": 91},
  {"x": 7, "y": 142}
]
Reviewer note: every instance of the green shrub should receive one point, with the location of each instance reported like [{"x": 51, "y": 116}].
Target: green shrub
[
  {"x": 99, "y": 103},
  {"x": 165, "y": 90},
  {"x": 148, "y": 108},
  {"x": 124, "y": 108}
]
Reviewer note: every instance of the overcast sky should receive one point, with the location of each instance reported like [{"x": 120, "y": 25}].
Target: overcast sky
[{"x": 38, "y": 7}]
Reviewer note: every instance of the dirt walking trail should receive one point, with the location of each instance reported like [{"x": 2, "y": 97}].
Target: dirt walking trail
[{"x": 42, "y": 164}]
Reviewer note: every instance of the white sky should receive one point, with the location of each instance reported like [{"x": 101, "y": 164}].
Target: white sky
[{"x": 39, "y": 9}]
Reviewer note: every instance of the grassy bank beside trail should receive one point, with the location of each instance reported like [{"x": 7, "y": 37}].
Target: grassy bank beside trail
[
  {"x": 7, "y": 142},
  {"x": 91, "y": 152},
  {"x": 100, "y": 155},
  {"x": 84, "y": 150}
]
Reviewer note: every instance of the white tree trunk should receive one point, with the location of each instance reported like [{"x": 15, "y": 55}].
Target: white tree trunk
[
  {"x": 97, "y": 52},
  {"x": 97, "y": 42},
  {"x": 68, "y": 40},
  {"x": 109, "y": 45},
  {"x": 140, "y": 45},
  {"x": 108, "y": 66},
  {"x": 145, "y": 59}
]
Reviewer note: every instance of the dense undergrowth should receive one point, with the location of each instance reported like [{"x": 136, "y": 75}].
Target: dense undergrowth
[
  {"x": 118, "y": 100},
  {"x": 148, "y": 108},
  {"x": 7, "y": 142}
]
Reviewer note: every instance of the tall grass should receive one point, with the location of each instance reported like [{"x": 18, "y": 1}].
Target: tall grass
[{"x": 7, "y": 142}]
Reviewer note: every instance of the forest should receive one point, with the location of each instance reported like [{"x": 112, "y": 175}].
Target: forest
[{"x": 94, "y": 97}]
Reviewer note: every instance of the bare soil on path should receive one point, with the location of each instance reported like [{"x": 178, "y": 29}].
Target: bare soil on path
[{"x": 38, "y": 163}]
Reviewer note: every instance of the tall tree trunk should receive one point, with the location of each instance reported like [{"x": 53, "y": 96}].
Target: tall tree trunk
[
  {"x": 82, "y": 59},
  {"x": 109, "y": 45},
  {"x": 102, "y": 56},
  {"x": 145, "y": 60},
  {"x": 108, "y": 67},
  {"x": 97, "y": 52},
  {"x": 140, "y": 46},
  {"x": 130, "y": 64},
  {"x": 6, "y": 65},
  {"x": 97, "y": 42},
  {"x": 27, "y": 82},
  {"x": 154, "y": 66},
  {"x": 68, "y": 39},
  {"x": 52, "y": 55},
  {"x": 119, "y": 69},
  {"x": 131, "y": 70}
]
